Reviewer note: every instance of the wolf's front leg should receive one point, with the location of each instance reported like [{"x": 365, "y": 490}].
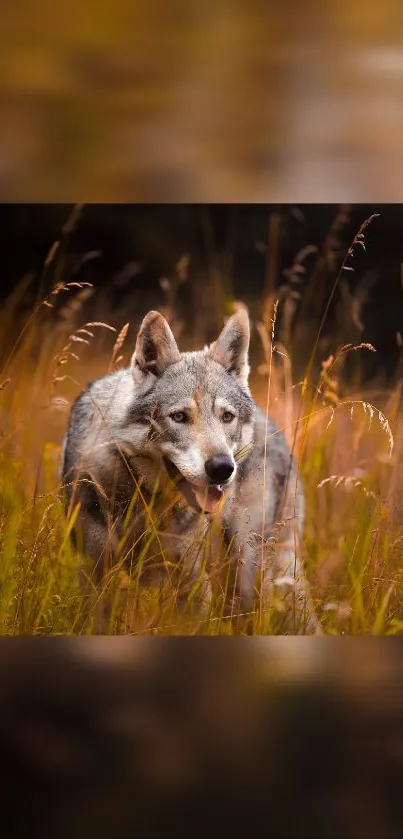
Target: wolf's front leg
[
  {"x": 97, "y": 541},
  {"x": 241, "y": 584},
  {"x": 189, "y": 579},
  {"x": 256, "y": 590},
  {"x": 284, "y": 580}
]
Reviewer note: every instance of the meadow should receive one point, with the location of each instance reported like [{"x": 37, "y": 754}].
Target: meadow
[{"x": 348, "y": 439}]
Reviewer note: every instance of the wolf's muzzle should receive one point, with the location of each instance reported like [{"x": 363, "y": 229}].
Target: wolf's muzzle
[{"x": 219, "y": 468}]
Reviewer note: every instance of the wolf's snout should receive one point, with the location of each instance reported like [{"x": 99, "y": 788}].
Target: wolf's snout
[{"x": 219, "y": 468}]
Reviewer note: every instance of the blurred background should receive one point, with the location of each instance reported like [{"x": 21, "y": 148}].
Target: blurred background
[{"x": 237, "y": 101}]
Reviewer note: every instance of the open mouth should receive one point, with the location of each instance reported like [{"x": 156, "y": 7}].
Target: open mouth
[{"x": 202, "y": 499}]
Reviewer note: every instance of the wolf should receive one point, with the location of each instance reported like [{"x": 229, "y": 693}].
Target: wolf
[{"x": 173, "y": 452}]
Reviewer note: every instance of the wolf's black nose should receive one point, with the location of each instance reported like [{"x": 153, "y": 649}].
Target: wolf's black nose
[{"x": 219, "y": 468}]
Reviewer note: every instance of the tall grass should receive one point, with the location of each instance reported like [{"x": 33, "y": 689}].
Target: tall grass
[{"x": 348, "y": 444}]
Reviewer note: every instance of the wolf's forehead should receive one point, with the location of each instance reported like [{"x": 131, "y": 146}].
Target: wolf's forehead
[
  {"x": 200, "y": 379},
  {"x": 193, "y": 378}
]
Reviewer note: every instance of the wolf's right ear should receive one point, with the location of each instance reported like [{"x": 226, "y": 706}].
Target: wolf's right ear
[
  {"x": 156, "y": 347},
  {"x": 232, "y": 346}
]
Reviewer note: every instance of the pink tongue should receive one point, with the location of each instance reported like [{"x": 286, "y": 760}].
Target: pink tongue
[{"x": 208, "y": 499}]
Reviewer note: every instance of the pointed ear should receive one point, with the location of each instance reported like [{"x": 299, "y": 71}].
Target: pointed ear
[
  {"x": 156, "y": 347},
  {"x": 232, "y": 346}
]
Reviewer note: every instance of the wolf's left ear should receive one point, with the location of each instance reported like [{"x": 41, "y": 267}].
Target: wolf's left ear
[
  {"x": 232, "y": 346},
  {"x": 156, "y": 348}
]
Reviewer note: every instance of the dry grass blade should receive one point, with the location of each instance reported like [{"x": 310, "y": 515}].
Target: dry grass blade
[
  {"x": 66, "y": 353},
  {"x": 100, "y": 323},
  {"x": 371, "y": 410},
  {"x": 59, "y": 287},
  {"x": 118, "y": 346},
  {"x": 348, "y": 482},
  {"x": 4, "y": 384},
  {"x": 52, "y": 253}
]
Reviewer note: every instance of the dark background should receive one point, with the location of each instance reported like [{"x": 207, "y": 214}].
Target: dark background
[{"x": 153, "y": 237}]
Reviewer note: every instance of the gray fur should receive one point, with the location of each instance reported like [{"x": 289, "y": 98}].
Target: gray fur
[{"x": 124, "y": 433}]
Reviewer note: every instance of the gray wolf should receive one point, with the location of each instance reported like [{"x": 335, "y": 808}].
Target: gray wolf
[{"x": 174, "y": 451}]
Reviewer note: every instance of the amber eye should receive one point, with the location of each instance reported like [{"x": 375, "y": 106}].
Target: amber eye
[
  {"x": 228, "y": 416},
  {"x": 178, "y": 416}
]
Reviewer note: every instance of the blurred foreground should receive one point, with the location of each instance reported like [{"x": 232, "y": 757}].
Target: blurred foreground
[{"x": 134, "y": 737}]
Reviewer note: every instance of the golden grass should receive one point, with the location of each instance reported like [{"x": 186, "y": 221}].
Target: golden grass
[{"x": 349, "y": 450}]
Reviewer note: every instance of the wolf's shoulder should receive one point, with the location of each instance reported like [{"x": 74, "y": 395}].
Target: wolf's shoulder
[
  {"x": 113, "y": 385},
  {"x": 270, "y": 440}
]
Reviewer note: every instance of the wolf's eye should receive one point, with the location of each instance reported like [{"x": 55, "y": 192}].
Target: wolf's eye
[
  {"x": 178, "y": 416},
  {"x": 228, "y": 416}
]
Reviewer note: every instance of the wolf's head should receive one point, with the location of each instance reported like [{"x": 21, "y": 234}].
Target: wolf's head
[{"x": 198, "y": 405}]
